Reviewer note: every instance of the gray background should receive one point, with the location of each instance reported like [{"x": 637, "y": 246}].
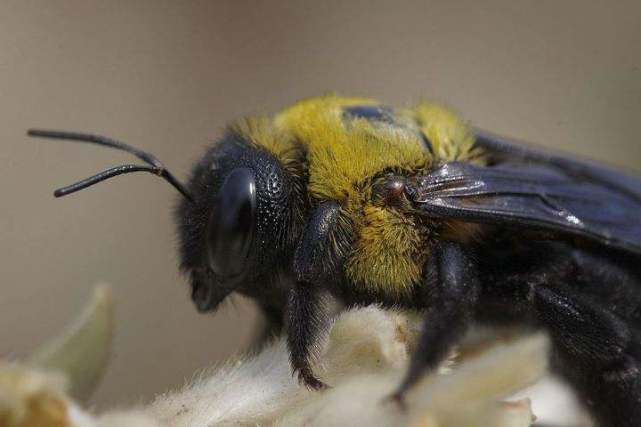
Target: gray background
[{"x": 167, "y": 75}]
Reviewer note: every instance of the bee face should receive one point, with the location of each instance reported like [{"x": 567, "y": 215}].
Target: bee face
[{"x": 236, "y": 229}]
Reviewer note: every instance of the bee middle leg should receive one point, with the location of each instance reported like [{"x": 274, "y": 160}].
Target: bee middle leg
[{"x": 452, "y": 295}]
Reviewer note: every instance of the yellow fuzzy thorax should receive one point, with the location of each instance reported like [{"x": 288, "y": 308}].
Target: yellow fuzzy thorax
[{"x": 347, "y": 154}]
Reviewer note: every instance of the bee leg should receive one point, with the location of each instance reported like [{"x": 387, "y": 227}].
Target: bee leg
[
  {"x": 308, "y": 316},
  {"x": 307, "y": 319},
  {"x": 596, "y": 352},
  {"x": 451, "y": 304}
]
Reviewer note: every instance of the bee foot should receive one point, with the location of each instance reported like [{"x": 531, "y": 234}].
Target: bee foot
[{"x": 308, "y": 379}]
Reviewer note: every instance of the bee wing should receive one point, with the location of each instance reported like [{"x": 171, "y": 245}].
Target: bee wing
[
  {"x": 501, "y": 149},
  {"x": 534, "y": 194}
]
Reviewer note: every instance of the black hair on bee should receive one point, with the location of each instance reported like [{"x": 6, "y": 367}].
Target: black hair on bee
[{"x": 411, "y": 208}]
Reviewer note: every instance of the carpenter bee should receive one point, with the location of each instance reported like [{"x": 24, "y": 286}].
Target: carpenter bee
[{"x": 411, "y": 208}]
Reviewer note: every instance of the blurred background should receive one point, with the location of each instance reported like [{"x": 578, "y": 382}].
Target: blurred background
[{"x": 166, "y": 76}]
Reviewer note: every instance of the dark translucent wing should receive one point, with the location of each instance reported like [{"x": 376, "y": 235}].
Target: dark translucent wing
[
  {"x": 535, "y": 195},
  {"x": 503, "y": 149}
]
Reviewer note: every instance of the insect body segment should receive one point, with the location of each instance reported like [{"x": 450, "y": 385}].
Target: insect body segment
[{"x": 353, "y": 145}]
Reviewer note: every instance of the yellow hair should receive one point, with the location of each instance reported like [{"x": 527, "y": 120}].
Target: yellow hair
[
  {"x": 342, "y": 154},
  {"x": 451, "y": 138}
]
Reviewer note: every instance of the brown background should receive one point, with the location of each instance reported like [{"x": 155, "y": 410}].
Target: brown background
[{"x": 167, "y": 75}]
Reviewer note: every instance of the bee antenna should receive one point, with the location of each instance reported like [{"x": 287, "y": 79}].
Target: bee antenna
[{"x": 155, "y": 166}]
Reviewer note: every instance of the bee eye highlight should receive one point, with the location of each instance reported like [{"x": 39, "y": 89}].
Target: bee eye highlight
[{"x": 231, "y": 229}]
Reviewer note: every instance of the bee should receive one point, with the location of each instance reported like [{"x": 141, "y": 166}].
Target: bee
[{"x": 412, "y": 208}]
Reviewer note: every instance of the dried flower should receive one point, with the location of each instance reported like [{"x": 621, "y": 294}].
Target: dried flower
[{"x": 363, "y": 358}]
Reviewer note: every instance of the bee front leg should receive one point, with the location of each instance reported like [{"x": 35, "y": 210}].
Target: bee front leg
[
  {"x": 308, "y": 317},
  {"x": 453, "y": 292},
  {"x": 307, "y": 320}
]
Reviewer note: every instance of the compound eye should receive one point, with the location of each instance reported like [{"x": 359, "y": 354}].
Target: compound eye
[{"x": 231, "y": 228}]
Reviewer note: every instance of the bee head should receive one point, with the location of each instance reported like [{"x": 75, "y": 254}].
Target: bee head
[
  {"x": 239, "y": 227},
  {"x": 237, "y": 218}
]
